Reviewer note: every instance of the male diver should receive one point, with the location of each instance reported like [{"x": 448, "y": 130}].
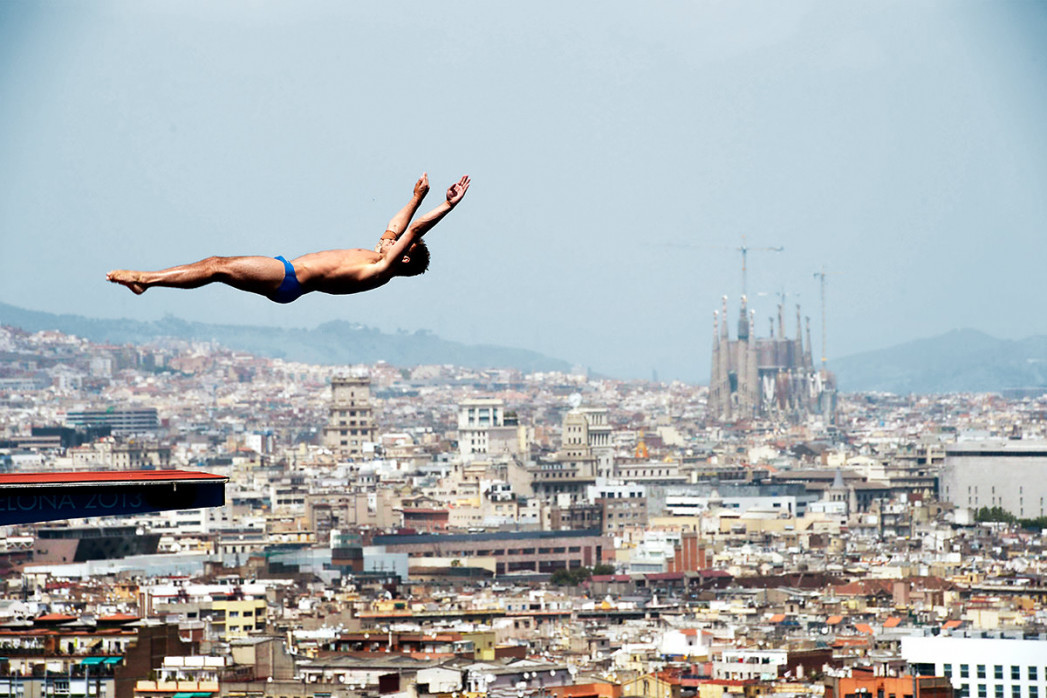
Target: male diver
[{"x": 400, "y": 252}]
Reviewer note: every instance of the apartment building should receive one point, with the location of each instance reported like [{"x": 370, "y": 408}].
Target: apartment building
[{"x": 350, "y": 423}]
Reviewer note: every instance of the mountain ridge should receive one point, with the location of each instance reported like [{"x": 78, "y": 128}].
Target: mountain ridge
[
  {"x": 332, "y": 342},
  {"x": 958, "y": 361}
]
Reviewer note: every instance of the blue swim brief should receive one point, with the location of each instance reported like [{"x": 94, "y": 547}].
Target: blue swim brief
[{"x": 290, "y": 289}]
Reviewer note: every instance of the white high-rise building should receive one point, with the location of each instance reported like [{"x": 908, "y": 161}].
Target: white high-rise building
[
  {"x": 1009, "y": 474},
  {"x": 982, "y": 667},
  {"x": 587, "y": 437},
  {"x": 480, "y": 419}
]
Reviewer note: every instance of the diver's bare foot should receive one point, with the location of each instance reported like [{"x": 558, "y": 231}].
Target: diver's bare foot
[{"x": 127, "y": 278}]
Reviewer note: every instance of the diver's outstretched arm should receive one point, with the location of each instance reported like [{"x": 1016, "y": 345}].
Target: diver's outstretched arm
[
  {"x": 398, "y": 223},
  {"x": 421, "y": 226}
]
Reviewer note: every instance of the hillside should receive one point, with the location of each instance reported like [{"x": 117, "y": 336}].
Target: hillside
[
  {"x": 336, "y": 342},
  {"x": 958, "y": 361}
]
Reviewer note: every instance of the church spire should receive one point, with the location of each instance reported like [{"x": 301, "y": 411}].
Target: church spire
[
  {"x": 743, "y": 321},
  {"x": 808, "y": 353},
  {"x": 723, "y": 328}
]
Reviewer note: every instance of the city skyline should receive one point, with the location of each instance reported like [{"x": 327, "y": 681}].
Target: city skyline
[{"x": 182, "y": 520}]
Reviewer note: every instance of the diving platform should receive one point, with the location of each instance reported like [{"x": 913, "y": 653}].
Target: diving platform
[{"x": 36, "y": 497}]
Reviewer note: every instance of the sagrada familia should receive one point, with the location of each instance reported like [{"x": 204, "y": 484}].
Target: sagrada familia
[{"x": 772, "y": 378}]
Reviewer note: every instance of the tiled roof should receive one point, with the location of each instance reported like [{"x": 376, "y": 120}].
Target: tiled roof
[{"x": 55, "y": 617}]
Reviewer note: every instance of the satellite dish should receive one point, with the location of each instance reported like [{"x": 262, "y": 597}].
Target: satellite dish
[{"x": 574, "y": 400}]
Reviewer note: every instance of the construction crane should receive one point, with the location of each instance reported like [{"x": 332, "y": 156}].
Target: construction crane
[
  {"x": 744, "y": 249},
  {"x": 820, "y": 275}
]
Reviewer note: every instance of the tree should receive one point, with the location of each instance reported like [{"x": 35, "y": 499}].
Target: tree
[
  {"x": 1037, "y": 524},
  {"x": 566, "y": 577},
  {"x": 994, "y": 515}
]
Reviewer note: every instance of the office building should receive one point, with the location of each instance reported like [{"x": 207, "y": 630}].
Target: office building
[{"x": 119, "y": 421}]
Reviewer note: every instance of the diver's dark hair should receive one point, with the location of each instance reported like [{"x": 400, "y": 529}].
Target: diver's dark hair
[{"x": 419, "y": 256}]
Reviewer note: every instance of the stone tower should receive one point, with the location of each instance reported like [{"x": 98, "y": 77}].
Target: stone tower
[{"x": 350, "y": 423}]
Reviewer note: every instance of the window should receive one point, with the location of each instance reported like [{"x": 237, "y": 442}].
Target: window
[
  {"x": 997, "y": 672},
  {"x": 1032, "y": 673},
  {"x": 947, "y": 670},
  {"x": 981, "y": 671},
  {"x": 1016, "y": 691},
  {"x": 998, "y": 692},
  {"x": 1034, "y": 692},
  {"x": 964, "y": 671},
  {"x": 1016, "y": 673},
  {"x": 982, "y": 691}
]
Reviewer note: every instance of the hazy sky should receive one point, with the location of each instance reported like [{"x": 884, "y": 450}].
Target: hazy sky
[{"x": 619, "y": 151}]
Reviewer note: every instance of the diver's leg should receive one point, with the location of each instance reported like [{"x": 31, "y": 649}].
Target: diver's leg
[{"x": 261, "y": 275}]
